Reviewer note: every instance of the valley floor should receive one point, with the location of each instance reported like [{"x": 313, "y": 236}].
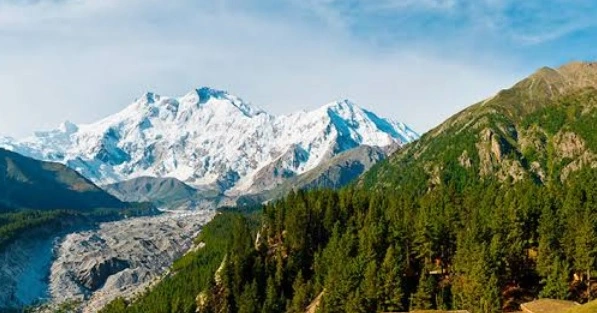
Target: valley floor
[{"x": 119, "y": 259}]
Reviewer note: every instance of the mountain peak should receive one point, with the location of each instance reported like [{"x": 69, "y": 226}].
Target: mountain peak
[
  {"x": 568, "y": 77},
  {"x": 346, "y": 114},
  {"x": 568, "y": 71},
  {"x": 148, "y": 98},
  {"x": 344, "y": 108},
  {"x": 579, "y": 66},
  {"x": 209, "y": 138},
  {"x": 203, "y": 95},
  {"x": 521, "y": 133},
  {"x": 206, "y": 93},
  {"x": 68, "y": 127},
  {"x": 342, "y": 104},
  {"x": 546, "y": 84},
  {"x": 580, "y": 74},
  {"x": 544, "y": 71}
]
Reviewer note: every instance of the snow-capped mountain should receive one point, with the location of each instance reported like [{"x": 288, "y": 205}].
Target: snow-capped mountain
[{"x": 209, "y": 138}]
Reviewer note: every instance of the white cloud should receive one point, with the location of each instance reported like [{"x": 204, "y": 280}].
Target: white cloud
[{"x": 81, "y": 60}]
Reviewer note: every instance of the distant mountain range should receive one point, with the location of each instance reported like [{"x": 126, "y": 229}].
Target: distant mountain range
[{"x": 210, "y": 141}]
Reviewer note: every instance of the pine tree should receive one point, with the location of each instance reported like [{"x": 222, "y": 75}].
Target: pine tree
[
  {"x": 355, "y": 303},
  {"x": 557, "y": 282},
  {"x": 468, "y": 273},
  {"x": 390, "y": 292},
  {"x": 369, "y": 287},
  {"x": 491, "y": 298},
  {"x": 272, "y": 302},
  {"x": 586, "y": 245},
  {"x": 549, "y": 241},
  {"x": 424, "y": 298},
  {"x": 300, "y": 300},
  {"x": 249, "y": 299}
]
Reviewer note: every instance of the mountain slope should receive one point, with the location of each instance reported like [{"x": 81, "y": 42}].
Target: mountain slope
[
  {"x": 31, "y": 184},
  {"x": 492, "y": 209},
  {"x": 172, "y": 194},
  {"x": 335, "y": 173},
  {"x": 540, "y": 129},
  {"x": 210, "y": 139},
  {"x": 148, "y": 189},
  {"x": 165, "y": 193},
  {"x": 340, "y": 170}
]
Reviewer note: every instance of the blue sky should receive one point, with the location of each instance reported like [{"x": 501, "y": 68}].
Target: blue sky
[{"x": 417, "y": 61}]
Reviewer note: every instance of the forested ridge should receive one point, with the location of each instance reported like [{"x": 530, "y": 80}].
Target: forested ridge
[
  {"x": 26, "y": 183},
  {"x": 42, "y": 198},
  {"x": 495, "y": 207},
  {"x": 13, "y": 225}
]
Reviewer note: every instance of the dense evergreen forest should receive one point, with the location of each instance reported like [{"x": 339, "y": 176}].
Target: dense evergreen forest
[
  {"x": 485, "y": 249},
  {"x": 493, "y": 208}
]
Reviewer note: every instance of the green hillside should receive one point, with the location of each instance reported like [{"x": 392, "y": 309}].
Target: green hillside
[
  {"x": 44, "y": 198},
  {"x": 541, "y": 129},
  {"x": 30, "y": 184},
  {"x": 491, "y": 209}
]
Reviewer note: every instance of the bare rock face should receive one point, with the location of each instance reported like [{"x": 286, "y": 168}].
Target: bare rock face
[
  {"x": 120, "y": 258},
  {"x": 569, "y": 145},
  {"x": 464, "y": 160},
  {"x": 95, "y": 276}
]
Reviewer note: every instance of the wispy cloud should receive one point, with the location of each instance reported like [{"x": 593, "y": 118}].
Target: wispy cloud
[
  {"x": 535, "y": 22},
  {"x": 526, "y": 22}
]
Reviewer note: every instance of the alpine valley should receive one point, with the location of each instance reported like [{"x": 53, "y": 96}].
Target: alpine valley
[
  {"x": 72, "y": 244},
  {"x": 208, "y": 204},
  {"x": 492, "y": 211}
]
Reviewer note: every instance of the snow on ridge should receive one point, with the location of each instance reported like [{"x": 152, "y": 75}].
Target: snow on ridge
[{"x": 208, "y": 137}]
